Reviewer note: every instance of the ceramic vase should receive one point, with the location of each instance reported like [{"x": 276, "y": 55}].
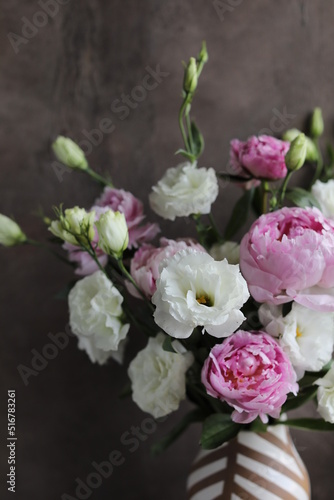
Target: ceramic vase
[{"x": 252, "y": 466}]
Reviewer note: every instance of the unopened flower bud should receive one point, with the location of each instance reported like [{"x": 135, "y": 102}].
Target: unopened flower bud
[
  {"x": 317, "y": 123},
  {"x": 10, "y": 232},
  {"x": 113, "y": 233},
  {"x": 69, "y": 153},
  {"x": 46, "y": 220},
  {"x": 74, "y": 226},
  {"x": 203, "y": 55},
  {"x": 79, "y": 222},
  {"x": 311, "y": 149},
  {"x": 295, "y": 157},
  {"x": 56, "y": 228},
  {"x": 291, "y": 134},
  {"x": 190, "y": 76}
]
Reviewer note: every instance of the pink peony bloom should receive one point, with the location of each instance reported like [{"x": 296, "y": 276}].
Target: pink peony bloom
[
  {"x": 145, "y": 264},
  {"x": 132, "y": 208},
  {"x": 251, "y": 373},
  {"x": 289, "y": 255},
  {"x": 261, "y": 157}
]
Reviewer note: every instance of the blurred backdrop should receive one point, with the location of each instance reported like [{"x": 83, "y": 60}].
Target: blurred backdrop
[{"x": 65, "y": 67}]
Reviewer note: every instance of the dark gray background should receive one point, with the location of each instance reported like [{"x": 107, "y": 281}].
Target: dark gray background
[{"x": 265, "y": 56}]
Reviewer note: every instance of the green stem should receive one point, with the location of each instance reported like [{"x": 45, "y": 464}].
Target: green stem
[
  {"x": 199, "y": 229},
  {"x": 183, "y": 132},
  {"x": 130, "y": 278},
  {"x": 190, "y": 134},
  {"x": 91, "y": 251},
  {"x": 47, "y": 249},
  {"x": 284, "y": 186},
  {"x": 140, "y": 325},
  {"x": 215, "y": 228},
  {"x": 97, "y": 177},
  {"x": 265, "y": 197}
]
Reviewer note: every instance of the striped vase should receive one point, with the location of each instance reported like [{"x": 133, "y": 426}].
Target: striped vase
[{"x": 253, "y": 466}]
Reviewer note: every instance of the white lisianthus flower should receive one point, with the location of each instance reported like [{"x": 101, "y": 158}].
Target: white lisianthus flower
[
  {"x": 230, "y": 250},
  {"x": 325, "y": 396},
  {"x": 113, "y": 233},
  {"x": 158, "y": 378},
  {"x": 184, "y": 190},
  {"x": 195, "y": 290},
  {"x": 97, "y": 355},
  {"x": 96, "y": 316},
  {"x": 323, "y": 192},
  {"x": 307, "y": 336},
  {"x": 69, "y": 153},
  {"x": 10, "y": 233}
]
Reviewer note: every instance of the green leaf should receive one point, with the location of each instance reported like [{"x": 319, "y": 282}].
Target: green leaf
[
  {"x": 310, "y": 377},
  {"x": 258, "y": 426},
  {"x": 329, "y": 169},
  {"x": 186, "y": 154},
  {"x": 304, "y": 395},
  {"x": 207, "y": 233},
  {"x": 307, "y": 381},
  {"x": 167, "y": 345},
  {"x": 312, "y": 424},
  {"x": 239, "y": 214},
  {"x": 193, "y": 416},
  {"x": 217, "y": 429},
  {"x": 198, "y": 140},
  {"x": 324, "y": 369},
  {"x": 301, "y": 198},
  {"x": 196, "y": 396}
]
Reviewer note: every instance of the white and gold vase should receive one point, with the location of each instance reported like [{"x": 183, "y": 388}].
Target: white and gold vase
[{"x": 252, "y": 466}]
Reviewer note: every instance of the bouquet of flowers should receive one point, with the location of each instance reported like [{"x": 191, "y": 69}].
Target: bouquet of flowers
[{"x": 245, "y": 332}]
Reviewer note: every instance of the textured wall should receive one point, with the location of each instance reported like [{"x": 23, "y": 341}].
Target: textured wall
[{"x": 266, "y": 59}]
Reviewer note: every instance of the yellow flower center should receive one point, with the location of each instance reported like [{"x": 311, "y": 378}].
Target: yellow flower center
[
  {"x": 298, "y": 332},
  {"x": 205, "y": 300}
]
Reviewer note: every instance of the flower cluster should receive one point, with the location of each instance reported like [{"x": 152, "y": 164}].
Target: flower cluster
[{"x": 245, "y": 329}]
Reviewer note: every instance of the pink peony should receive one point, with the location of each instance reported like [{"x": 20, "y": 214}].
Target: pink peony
[
  {"x": 251, "y": 372},
  {"x": 289, "y": 255},
  {"x": 145, "y": 264},
  {"x": 261, "y": 157},
  {"x": 132, "y": 208}
]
